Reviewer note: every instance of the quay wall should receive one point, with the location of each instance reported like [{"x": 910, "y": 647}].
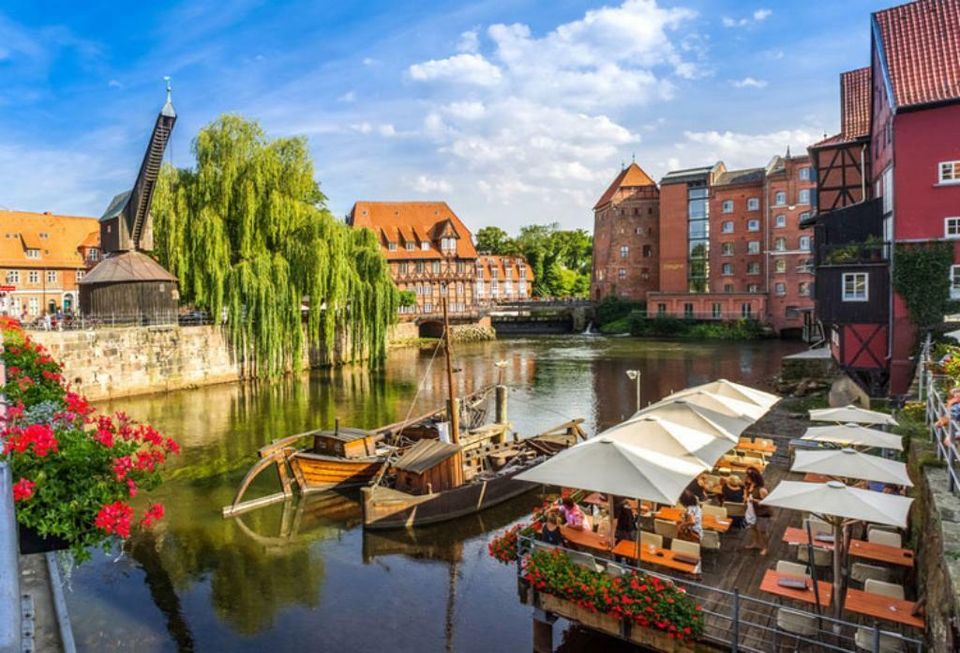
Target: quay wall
[{"x": 124, "y": 361}]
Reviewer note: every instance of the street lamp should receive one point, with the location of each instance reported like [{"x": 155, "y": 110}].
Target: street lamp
[{"x": 634, "y": 375}]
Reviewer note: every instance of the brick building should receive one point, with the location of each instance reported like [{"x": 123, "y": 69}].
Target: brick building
[
  {"x": 626, "y": 236},
  {"x": 42, "y": 256},
  {"x": 890, "y": 177},
  {"x": 429, "y": 250},
  {"x": 502, "y": 278}
]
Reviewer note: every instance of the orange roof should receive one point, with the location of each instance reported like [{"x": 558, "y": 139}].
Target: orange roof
[
  {"x": 920, "y": 45},
  {"x": 855, "y": 103},
  {"x": 486, "y": 263},
  {"x": 413, "y": 222},
  {"x": 632, "y": 176},
  {"x": 58, "y": 237}
]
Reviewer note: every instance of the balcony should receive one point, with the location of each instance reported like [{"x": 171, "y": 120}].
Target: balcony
[{"x": 871, "y": 251}]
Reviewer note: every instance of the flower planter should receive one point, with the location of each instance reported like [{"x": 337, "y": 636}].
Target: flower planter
[
  {"x": 646, "y": 637},
  {"x": 33, "y": 542}
]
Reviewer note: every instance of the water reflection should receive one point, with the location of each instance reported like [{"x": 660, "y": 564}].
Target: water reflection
[{"x": 304, "y": 574}]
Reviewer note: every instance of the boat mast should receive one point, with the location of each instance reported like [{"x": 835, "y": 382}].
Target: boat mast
[{"x": 453, "y": 409}]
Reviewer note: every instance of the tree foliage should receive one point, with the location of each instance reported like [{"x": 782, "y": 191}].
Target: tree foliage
[
  {"x": 248, "y": 235},
  {"x": 559, "y": 259},
  {"x": 921, "y": 275}
]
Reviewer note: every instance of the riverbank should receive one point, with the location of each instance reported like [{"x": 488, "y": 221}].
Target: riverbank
[{"x": 671, "y": 327}]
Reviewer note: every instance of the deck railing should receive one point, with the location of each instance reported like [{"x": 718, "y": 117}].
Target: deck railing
[
  {"x": 944, "y": 436},
  {"x": 10, "y": 626},
  {"x": 745, "y": 623}
]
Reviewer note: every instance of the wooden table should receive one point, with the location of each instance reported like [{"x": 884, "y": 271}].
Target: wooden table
[
  {"x": 586, "y": 539},
  {"x": 810, "y": 477},
  {"x": 858, "y": 548},
  {"x": 760, "y": 448},
  {"x": 882, "y": 607},
  {"x": 769, "y": 584},
  {"x": 675, "y": 515},
  {"x": 659, "y": 556}
]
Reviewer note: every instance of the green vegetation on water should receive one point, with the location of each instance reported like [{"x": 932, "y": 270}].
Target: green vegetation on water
[{"x": 618, "y": 316}]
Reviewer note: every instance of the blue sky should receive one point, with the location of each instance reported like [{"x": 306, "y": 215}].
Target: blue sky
[{"x": 513, "y": 112}]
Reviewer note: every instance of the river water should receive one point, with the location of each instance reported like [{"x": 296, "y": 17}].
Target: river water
[{"x": 304, "y": 576}]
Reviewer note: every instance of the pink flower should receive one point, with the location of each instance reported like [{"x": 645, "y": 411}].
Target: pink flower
[
  {"x": 104, "y": 437},
  {"x": 23, "y": 489},
  {"x": 122, "y": 466},
  {"x": 131, "y": 487}
]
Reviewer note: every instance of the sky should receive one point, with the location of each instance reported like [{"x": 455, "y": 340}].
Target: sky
[{"x": 514, "y": 112}]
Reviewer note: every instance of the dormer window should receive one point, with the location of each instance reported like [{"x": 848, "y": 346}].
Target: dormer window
[
  {"x": 425, "y": 246},
  {"x": 33, "y": 253},
  {"x": 448, "y": 245},
  {"x": 411, "y": 246},
  {"x": 391, "y": 246},
  {"x": 93, "y": 254}
]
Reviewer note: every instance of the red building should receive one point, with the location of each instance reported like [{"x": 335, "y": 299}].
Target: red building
[{"x": 905, "y": 156}]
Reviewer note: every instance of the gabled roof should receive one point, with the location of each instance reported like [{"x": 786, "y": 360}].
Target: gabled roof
[
  {"x": 58, "y": 237},
  {"x": 130, "y": 266},
  {"x": 632, "y": 176},
  {"x": 401, "y": 222},
  {"x": 116, "y": 206},
  {"x": 920, "y": 48},
  {"x": 855, "y": 103},
  {"x": 745, "y": 176}
]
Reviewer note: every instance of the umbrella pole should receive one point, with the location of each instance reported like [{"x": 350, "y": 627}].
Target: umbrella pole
[
  {"x": 837, "y": 575},
  {"x": 813, "y": 567}
]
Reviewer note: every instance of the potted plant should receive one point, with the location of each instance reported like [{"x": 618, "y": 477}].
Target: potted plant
[{"x": 74, "y": 471}]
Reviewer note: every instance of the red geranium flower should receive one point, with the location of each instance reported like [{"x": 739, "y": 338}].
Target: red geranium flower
[{"x": 23, "y": 489}]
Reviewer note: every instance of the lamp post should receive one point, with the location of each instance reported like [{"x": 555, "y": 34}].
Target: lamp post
[{"x": 634, "y": 375}]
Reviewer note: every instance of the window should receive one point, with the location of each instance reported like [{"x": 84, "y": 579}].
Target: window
[
  {"x": 13, "y": 276},
  {"x": 391, "y": 246},
  {"x": 435, "y": 267},
  {"x": 753, "y": 247},
  {"x": 647, "y": 251},
  {"x": 753, "y": 268},
  {"x": 728, "y": 206},
  {"x": 855, "y": 286},
  {"x": 522, "y": 287},
  {"x": 661, "y": 309},
  {"x": 746, "y": 310},
  {"x": 425, "y": 246},
  {"x": 955, "y": 282},
  {"x": 805, "y": 243},
  {"x": 781, "y": 221},
  {"x": 726, "y": 269},
  {"x": 753, "y": 287},
  {"x": 753, "y": 225},
  {"x": 780, "y": 244},
  {"x": 726, "y": 249},
  {"x": 804, "y": 216},
  {"x": 780, "y": 288},
  {"x": 716, "y": 311},
  {"x": 888, "y": 190},
  {"x": 479, "y": 288},
  {"x": 51, "y": 276},
  {"x": 443, "y": 289},
  {"x": 411, "y": 246},
  {"x": 753, "y": 204},
  {"x": 419, "y": 267},
  {"x": 728, "y": 287},
  {"x": 804, "y": 289},
  {"x": 950, "y": 172},
  {"x": 461, "y": 266},
  {"x": 624, "y": 251},
  {"x": 33, "y": 276},
  {"x": 804, "y": 196},
  {"x": 621, "y": 274},
  {"x": 508, "y": 287},
  {"x": 805, "y": 174},
  {"x": 494, "y": 288},
  {"x": 780, "y": 265},
  {"x": 403, "y": 267},
  {"x": 448, "y": 245},
  {"x": 727, "y": 227},
  {"x": 780, "y": 198},
  {"x": 688, "y": 311},
  {"x": 33, "y": 306},
  {"x": 427, "y": 307},
  {"x": 951, "y": 227},
  {"x": 494, "y": 273},
  {"x": 33, "y": 253}
]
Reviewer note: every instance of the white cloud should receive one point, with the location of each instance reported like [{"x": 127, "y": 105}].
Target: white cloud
[
  {"x": 113, "y": 83},
  {"x": 741, "y": 150},
  {"x": 430, "y": 185},
  {"x": 469, "y": 41},
  {"x": 349, "y": 96},
  {"x": 749, "y": 82},
  {"x": 757, "y": 16},
  {"x": 370, "y": 61},
  {"x": 460, "y": 68}
]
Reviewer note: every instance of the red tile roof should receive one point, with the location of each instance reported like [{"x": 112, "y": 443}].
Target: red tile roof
[
  {"x": 58, "y": 237},
  {"x": 920, "y": 42},
  {"x": 855, "y": 103},
  {"x": 632, "y": 176},
  {"x": 416, "y": 223}
]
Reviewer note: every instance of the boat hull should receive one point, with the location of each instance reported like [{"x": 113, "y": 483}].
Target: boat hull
[
  {"x": 315, "y": 473},
  {"x": 385, "y": 508}
]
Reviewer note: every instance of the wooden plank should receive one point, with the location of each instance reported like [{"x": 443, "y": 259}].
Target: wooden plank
[
  {"x": 858, "y": 548},
  {"x": 675, "y": 515},
  {"x": 770, "y": 585},
  {"x": 883, "y": 607},
  {"x": 656, "y": 556}
]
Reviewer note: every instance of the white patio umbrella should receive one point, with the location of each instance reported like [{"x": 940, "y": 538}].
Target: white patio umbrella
[
  {"x": 671, "y": 439},
  {"x": 718, "y": 403},
  {"x": 847, "y": 463},
  {"x": 851, "y": 413},
  {"x": 854, "y": 435},
  {"x": 953, "y": 334},
  {"x": 603, "y": 464},
  {"x": 737, "y": 391},
  {"x": 836, "y": 502},
  {"x": 695, "y": 416}
]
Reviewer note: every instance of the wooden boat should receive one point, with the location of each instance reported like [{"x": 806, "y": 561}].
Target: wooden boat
[{"x": 428, "y": 483}]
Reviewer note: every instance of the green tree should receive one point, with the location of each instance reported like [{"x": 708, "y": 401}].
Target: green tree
[
  {"x": 495, "y": 240},
  {"x": 247, "y": 231}
]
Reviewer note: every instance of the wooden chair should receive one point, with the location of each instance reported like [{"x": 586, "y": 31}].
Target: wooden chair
[
  {"x": 817, "y": 526},
  {"x": 883, "y": 588},
  {"x": 647, "y": 538},
  {"x": 887, "y": 538},
  {"x": 717, "y": 511},
  {"x": 791, "y": 568},
  {"x": 863, "y": 638},
  {"x": 821, "y": 557},
  {"x": 862, "y": 572},
  {"x": 665, "y": 528},
  {"x": 736, "y": 510},
  {"x": 710, "y": 541},
  {"x": 752, "y": 461},
  {"x": 690, "y": 549}
]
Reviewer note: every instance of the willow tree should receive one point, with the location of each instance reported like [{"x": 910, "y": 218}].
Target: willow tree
[{"x": 248, "y": 235}]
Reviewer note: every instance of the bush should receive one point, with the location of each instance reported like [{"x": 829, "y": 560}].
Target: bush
[
  {"x": 614, "y": 308},
  {"x": 673, "y": 327}
]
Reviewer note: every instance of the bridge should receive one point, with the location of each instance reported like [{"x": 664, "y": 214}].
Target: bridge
[{"x": 541, "y": 316}]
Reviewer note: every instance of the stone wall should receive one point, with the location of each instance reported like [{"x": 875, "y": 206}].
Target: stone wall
[{"x": 105, "y": 363}]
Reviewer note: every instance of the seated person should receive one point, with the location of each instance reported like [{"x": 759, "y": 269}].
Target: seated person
[
  {"x": 551, "y": 530},
  {"x": 691, "y": 524},
  {"x": 604, "y": 526},
  {"x": 732, "y": 491},
  {"x": 696, "y": 488},
  {"x": 572, "y": 514}
]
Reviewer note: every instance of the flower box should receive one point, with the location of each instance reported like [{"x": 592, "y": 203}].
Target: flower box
[
  {"x": 33, "y": 542},
  {"x": 646, "y": 637}
]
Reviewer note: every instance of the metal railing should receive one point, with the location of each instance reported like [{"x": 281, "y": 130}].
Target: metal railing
[
  {"x": 944, "y": 432},
  {"x": 746, "y": 623},
  {"x": 853, "y": 253},
  {"x": 10, "y": 617},
  {"x": 85, "y": 323}
]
